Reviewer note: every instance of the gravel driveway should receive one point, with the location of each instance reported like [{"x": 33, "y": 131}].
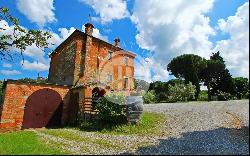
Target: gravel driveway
[{"x": 203, "y": 128}]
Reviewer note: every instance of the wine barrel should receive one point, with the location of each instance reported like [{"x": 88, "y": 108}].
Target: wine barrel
[{"x": 134, "y": 108}]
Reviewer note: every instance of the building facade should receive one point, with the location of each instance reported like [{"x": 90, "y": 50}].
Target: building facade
[
  {"x": 87, "y": 63},
  {"x": 81, "y": 68}
]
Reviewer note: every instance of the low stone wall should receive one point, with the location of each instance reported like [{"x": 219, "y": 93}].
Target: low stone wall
[{"x": 15, "y": 97}]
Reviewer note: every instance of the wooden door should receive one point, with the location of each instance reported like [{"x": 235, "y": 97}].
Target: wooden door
[{"x": 43, "y": 109}]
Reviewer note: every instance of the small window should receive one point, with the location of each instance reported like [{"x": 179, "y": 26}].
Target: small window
[
  {"x": 125, "y": 83},
  {"x": 109, "y": 78},
  {"x": 110, "y": 55},
  {"x": 126, "y": 61}
]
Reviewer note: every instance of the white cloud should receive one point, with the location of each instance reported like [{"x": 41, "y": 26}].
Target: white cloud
[
  {"x": 38, "y": 11},
  {"x": 7, "y": 65},
  {"x": 235, "y": 50},
  {"x": 57, "y": 39},
  {"x": 142, "y": 69},
  {"x": 10, "y": 72},
  {"x": 36, "y": 66},
  {"x": 108, "y": 9},
  {"x": 171, "y": 28}
]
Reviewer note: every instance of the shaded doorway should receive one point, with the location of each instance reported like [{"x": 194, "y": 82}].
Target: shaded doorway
[
  {"x": 73, "y": 108},
  {"x": 43, "y": 108}
]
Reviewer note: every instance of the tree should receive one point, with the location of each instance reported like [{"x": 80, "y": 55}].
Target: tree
[
  {"x": 188, "y": 66},
  {"x": 20, "y": 38},
  {"x": 160, "y": 89},
  {"x": 216, "y": 77},
  {"x": 242, "y": 86}
]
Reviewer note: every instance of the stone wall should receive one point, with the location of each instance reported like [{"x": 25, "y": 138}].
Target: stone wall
[{"x": 16, "y": 94}]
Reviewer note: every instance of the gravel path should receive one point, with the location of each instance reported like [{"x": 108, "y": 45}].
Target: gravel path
[
  {"x": 203, "y": 128},
  {"x": 195, "y": 128}
]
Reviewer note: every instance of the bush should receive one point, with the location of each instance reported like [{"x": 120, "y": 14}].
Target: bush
[
  {"x": 110, "y": 109},
  {"x": 203, "y": 96},
  {"x": 223, "y": 96},
  {"x": 110, "y": 113},
  {"x": 181, "y": 92},
  {"x": 149, "y": 97},
  {"x": 161, "y": 97}
]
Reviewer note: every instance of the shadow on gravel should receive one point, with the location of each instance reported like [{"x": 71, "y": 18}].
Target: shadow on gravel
[{"x": 218, "y": 141}]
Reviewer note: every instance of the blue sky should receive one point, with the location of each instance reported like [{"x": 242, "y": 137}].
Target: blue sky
[{"x": 155, "y": 30}]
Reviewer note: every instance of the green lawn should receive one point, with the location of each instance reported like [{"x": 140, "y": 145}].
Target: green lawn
[
  {"x": 150, "y": 124},
  {"x": 29, "y": 143},
  {"x": 24, "y": 143}
]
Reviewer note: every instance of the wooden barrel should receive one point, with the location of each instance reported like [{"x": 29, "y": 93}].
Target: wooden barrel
[{"x": 134, "y": 108}]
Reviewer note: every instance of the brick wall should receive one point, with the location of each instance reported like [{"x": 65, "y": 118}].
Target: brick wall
[
  {"x": 90, "y": 53},
  {"x": 16, "y": 94}
]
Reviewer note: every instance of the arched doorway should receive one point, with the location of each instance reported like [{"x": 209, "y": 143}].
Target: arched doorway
[
  {"x": 43, "y": 108},
  {"x": 97, "y": 94}
]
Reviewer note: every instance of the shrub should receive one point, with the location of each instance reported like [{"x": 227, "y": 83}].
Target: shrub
[
  {"x": 110, "y": 109},
  {"x": 161, "y": 97},
  {"x": 181, "y": 92},
  {"x": 203, "y": 96},
  {"x": 149, "y": 97},
  {"x": 223, "y": 96}
]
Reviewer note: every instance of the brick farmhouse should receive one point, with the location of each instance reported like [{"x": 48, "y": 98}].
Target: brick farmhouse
[{"x": 81, "y": 67}]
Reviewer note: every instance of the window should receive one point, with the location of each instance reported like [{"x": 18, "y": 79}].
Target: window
[
  {"x": 125, "y": 83},
  {"x": 109, "y": 78},
  {"x": 126, "y": 61},
  {"x": 110, "y": 55}
]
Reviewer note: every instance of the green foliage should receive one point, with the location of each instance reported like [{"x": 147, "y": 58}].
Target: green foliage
[
  {"x": 188, "y": 66},
  {"x": 20, "y": 38},
  {"x": 181, "y": 92},
  {"x": 223, "y": 96},
  {"x": 149, "y": 97},
  {"x": 110, "y": 109},
  {"x": 242, "y": 87},
  {"x": 26, "y": 79},
  {"x": 160, "y": 89},
  {"x": 203, "y": 96},
  {"x": 24, "y": 143},
  {"x": 217, "y": 78}
]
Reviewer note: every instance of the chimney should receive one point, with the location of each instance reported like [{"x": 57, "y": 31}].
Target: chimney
[
  {"x": 89, "y": 29},
  {"x": 117, "y": 42},
  {"x": 39, "y": 78}
]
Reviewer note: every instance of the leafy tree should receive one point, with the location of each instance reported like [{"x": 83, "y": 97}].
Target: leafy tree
[
  {"x": 242, "y": 86},
  {"x": 160, "y": 89},
  {"x": 21, "y": 38},
  {"x": 216, "y": 77},
  {"x": 188, "y": 66}
]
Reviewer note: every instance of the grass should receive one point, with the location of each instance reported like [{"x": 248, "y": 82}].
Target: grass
[
  {"x": 29, "y": 143},
  {"x": 24, "y": 143},
  {"x": 150, "y": 124},
  {"x": 69, "y": 135}
]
